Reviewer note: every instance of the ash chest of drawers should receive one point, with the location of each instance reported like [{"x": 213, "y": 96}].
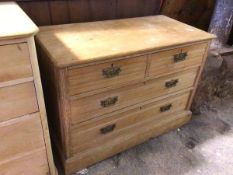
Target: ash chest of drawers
[
  {"x": 24, "y": 138},
  {"x": 111, "y": 85}
]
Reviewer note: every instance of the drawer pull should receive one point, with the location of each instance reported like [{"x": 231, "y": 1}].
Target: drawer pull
[
  {"x": 171, "y": 83},
  {"x": 180, "y": 57},
  {"x": 112, "y": 71},
  {"x": 108, "y": 129},
  {"x": 165, "y": 108},
  {"x": 109, "y": 101}
]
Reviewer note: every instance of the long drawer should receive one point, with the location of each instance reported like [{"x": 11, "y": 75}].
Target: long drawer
[
  {"x": 176, "y": 59},
  {"x": 14, "y": 62},
  {"x": 17, "y": 100},
  {"x": 105, "y": 129},
  {"x": 90, "y": 107},
  {"x": 138, "y": 134},
  {"x": 34, "y": 163},
  {"x": 20, "y": 137}
]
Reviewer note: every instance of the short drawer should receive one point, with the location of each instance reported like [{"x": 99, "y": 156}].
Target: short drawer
[
  {"x": 105, "y": 75},
  {"x": 21, "y": 136},
  {"x": 104, "y": 129},
  {"x": 14, "y": 62},
  {"x": 89, "y": 107},
  {"x": 17, "y": 100},
  {"x": 175, "y": 60}
]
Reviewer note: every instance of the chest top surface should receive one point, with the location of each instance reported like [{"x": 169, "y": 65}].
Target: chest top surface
[
  {"x": 14, "y": 22},
  {"x": 74, "y": 44}
]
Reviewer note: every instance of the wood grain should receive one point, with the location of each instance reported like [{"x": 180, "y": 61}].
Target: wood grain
[
  {"x": 87, "y": 135},
  {"x": 91, "y": 10},
  {"x": 193, "y": 12},
  {"x": 82, "y": 103},
  {"x": 73, "y": 11},
  {"x": 163, "y": 62},
  {"x": 139, "y": 135},
  {"x": 59, "y": 12},
  {"x": 26, "y": 132},
  {"x": 198, "y": 76},
  {"x": 91, "y": 77},
  {"x": 136, "y": 8},
  {"x": 14, "y": 62},
  {"x": 33, "y": 163},
  {"x": 90, "y": 107},
  {"x": 56, "y": 102},
  {"x": 15, "y": 24},
  {"x": 38, "y": 11},
  {"x": 23, "y": 124},
  {"x": 106, "y": 39},
  {"x": 41, "y": 105},
  {"x": 17, "y": 101}
]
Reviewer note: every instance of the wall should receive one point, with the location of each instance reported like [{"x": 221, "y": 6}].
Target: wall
[
  {"x": 69, "y": 11},
  {"x": 194, "y": 12}
]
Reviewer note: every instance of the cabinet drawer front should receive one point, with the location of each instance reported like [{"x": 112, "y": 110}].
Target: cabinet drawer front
[
  {"x": 20, "y": 136},
  {"x": 32, "y": 164},
  {"x": 104, "y": 75},
  {"x": 175, "y": 60},
  {"x": 96, "y": 105},
  {"x": 97, "y": 131},
  {"x": 137, "y": 135},
  {"x": 14, "y": 62},
  {"x": 17, "y": 100}
]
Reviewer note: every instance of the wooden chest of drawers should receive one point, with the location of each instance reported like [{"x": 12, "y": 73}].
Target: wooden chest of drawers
[
  {"x": 25, "y": 143},
  {"x": 111, "y": 85}
]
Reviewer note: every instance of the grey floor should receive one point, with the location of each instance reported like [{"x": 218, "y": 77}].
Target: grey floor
[{"x": 204, "y": 146}]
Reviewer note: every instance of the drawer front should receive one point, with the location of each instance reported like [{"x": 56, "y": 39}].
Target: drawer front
[
  {"x": 136, "y": 135},
  {"x": 32, "y": 164},
  {"x": 96, "y": 105},
  {"x": 97, "y": 131},
  {"x": 14, "y": 62},
  {"x": 175, "y": 60},
  {"x": 21, "y": 136},
  {"x": 104, "y": 75},
  {"x": 17, "y": 100}
]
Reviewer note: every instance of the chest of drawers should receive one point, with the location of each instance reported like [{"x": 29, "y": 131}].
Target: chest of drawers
[
  {"x": 25, "y": 143},
  {"x": 111, "y": 85}
]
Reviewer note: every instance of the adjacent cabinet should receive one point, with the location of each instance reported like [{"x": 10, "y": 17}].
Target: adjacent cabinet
[
  {"x": 113, "y": 84},
  {"x": 25, "y": 143}
]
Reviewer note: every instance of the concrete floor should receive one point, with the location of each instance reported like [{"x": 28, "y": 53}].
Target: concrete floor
[{"x": 204, "y": 146}]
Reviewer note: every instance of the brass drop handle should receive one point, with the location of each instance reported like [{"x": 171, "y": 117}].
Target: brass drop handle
[
  {"x": 108, "y": 129},
  {"x": 180, "y": 57},
  {"x": 166, "y": 107},
  {"x": 171, "y": 83},
  {"x": 109, "y": 101},
  {"x": 111, "y": 72}
]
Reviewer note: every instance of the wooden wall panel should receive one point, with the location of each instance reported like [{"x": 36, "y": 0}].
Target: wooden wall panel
[
  {"x": 59, "y": 12},
  {"x": 39, "y": 12},
  {"x": 102, "y": 9},
  {"x": 70, "y": 11},
  {"x": 135, "y": 8},
  {"x": 92, "y": 10},
  {"x": 78, "y": 11},
  {"x": 194, "y": 12}
]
